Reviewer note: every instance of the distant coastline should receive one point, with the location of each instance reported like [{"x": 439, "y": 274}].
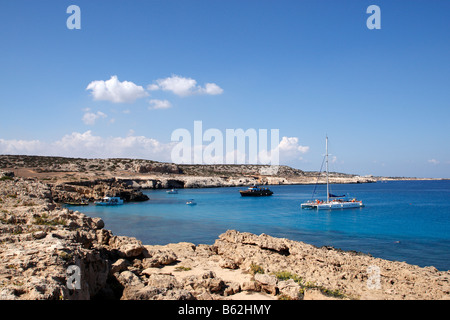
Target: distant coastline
[
  {"x": 410, "y": 179},
  {"x": 56, "y": 169},
  {"x": 73, "y": 179}
]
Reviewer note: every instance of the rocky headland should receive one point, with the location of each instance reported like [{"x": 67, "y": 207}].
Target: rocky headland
[{"x": 43, "y": 246}]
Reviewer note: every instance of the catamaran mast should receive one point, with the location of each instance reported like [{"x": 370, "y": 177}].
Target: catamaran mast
[{"x": 328, "y": 191}]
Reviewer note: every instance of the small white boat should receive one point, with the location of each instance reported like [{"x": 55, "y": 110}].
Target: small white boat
[
  {"x": 332, "y": 202},
  {"x": 109, "y": 201},
  {"x": 191, "y": 202},
  {"x": 173, "y": 191}
]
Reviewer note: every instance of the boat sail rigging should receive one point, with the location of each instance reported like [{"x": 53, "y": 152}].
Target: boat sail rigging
[{"x": 333, "y": 202}]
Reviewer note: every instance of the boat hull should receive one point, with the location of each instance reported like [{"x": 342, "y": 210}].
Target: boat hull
[
  {"x": 264, "y": 193},
  {"x": 107, "y": 204},
  {"x": 332, "y": 205}
]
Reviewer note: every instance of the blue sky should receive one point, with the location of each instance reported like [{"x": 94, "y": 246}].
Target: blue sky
[{"x": 307, "y": 68}]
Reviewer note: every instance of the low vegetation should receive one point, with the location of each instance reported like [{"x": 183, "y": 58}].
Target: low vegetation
[
  {"x": 285, "y": 275},
  {"x": 254, "y": 269},
  {"x": 46, "y": 221}
]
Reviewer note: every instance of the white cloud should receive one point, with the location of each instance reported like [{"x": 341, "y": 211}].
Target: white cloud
[
  {"x": 115, "y": 91},
  {"x": 178, "y": 85},
  {"x": 211, "y": 89},
  {"x": 29, "y": 147},
  {"x": 288, "y": 151},
  {"x": 88, "y": 145},
  {"x": 289, "y": 147},
  {"x": 90, "y": 118},
  {"x": 184, "y": 86},
  {"x": 434, "y": 161},
  {"x": 159, "y": 104},
  {"x": 76, "y": 141},
  {"x": 153, "y": 87}
]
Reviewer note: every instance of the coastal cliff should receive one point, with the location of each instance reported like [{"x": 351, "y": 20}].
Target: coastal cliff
[{"x": 40, "y": 242}]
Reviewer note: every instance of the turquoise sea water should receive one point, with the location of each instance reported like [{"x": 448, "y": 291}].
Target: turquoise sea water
[{"x": 403, "y": 220}]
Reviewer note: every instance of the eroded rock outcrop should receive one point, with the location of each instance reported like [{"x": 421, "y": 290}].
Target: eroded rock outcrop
[
  {"x": 95, "y": 190},
  {"x": 241, "y": 264},
  {"x": 39, "y": 241}
]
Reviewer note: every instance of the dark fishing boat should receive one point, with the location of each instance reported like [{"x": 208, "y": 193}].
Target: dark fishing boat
[{"x": 256, "y": 191}]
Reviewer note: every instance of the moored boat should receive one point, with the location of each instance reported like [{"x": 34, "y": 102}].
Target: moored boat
[
  {"x": 191, "y": 202},
  {"x": 332, "y": 202},
  {"x": 256, "y": 191},
  {"x": 109, "y": 201}
]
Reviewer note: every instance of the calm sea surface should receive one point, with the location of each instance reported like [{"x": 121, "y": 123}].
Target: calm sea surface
[{"x": 403, "y": 220}]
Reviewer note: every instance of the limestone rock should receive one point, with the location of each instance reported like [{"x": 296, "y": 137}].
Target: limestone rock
[
  {"x": 126, "y": 246},
  {"x": 290, "y": 289},
  {"x": 206, "y": 281},
  {"x": 228, "y": 264},
  {"x": 265, "y": 279},
  {"x": 39, "y": 234},
  {"x": 268, "y": 283},
  {"x": 119, "y": 266},
  {"x": 129, "y": 279},
  {"x": 157, "y": 257},
  {"x": 232, "y": 288},
  {"x": 163, "y": 281},
  {"x": 251, "y": 286},
  {"x": 98, "y": 223}
]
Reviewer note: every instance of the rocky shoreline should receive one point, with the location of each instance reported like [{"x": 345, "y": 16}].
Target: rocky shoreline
[
  {"x": 73, "y": 180},
  {"x": 43, "y": 246}
]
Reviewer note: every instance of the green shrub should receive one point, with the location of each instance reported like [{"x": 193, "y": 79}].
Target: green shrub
[
  {"x": 285, "y": 275},
  {"x": 181, "y": 268},
  {"x": 44, "y": 220},
  {"x": 66, "y": 256},
  {"x": 254, "y": 269}
]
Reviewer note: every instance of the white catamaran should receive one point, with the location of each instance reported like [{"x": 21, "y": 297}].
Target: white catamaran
[{"x": 333, "y": 202}]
